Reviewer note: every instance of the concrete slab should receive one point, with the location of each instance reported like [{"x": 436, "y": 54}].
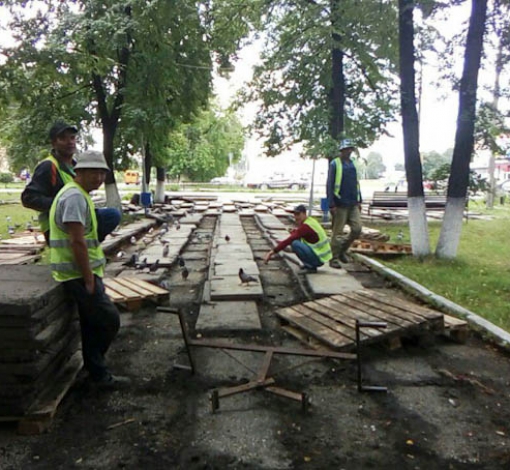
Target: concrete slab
[
  {"x": 232, "y": 269},
  {"x": 329, "y": 281},
  {"x": 194, "y": 219},
  {"x": 228, "y": 288},
  {"x": 228, "y": 315}
]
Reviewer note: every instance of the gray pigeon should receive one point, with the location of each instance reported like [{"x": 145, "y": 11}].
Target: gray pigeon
[
  {"x": 185, "y": 273},
  {"x": 154, "y": 267},
  {"x": 246, "y": 278},
  {"x": 166, "y": 250}
]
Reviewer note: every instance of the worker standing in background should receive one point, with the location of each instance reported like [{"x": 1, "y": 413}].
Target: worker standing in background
[
  {"x": 53, "y": 173},
  {"x": 344, "y": 200},
  {"x": 77, "y": 261}
]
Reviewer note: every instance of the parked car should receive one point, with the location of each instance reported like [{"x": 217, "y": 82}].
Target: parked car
[
  {"x": 279, "y": 182},
  {"x": 224, "y": 180}
]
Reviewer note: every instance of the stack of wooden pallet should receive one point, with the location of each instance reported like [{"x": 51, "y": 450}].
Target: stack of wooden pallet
[
  {"x": 39, "y": 344},
  {"x": 21, "y": 248}
]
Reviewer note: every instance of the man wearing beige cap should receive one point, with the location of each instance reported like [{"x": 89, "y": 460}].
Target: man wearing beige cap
[{"x": 77, "y": 260}]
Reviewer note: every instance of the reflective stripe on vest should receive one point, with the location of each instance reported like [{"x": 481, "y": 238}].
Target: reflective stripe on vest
[
  {"x": 63, "y": 265},
  {"x": 44, "y": 221},
  {"x": 338, "y": 177},
  {"x": 322, "y": 248}
]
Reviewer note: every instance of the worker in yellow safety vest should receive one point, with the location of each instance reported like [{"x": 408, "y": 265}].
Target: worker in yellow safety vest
[
  {"x": 344, "y": 200},
  {"x": 308, "y": 241},
  {"x": 77, "y": 261},
  {"x": 52, "y": 173}
]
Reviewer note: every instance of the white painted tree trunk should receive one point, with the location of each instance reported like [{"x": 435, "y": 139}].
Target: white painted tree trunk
[
  {"x": 418, "y": 226},
  {"x": 451, "y": 228},
  {"x": 112, "y": 196},
  {"x": 159, "y": 196}
]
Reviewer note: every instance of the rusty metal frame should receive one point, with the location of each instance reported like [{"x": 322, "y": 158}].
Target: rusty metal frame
[{"x": 261, "y": 381}]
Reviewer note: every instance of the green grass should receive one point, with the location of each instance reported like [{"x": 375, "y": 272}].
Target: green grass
[
  {"x": 19, "y": 216},
  {"x": 478, "y": 278}
]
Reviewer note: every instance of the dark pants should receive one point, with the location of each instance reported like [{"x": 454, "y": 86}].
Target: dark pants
[{"x": 100, "y": 322}]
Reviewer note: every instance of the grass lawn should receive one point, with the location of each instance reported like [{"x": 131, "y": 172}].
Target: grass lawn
[{"x": 479, "y": 278}]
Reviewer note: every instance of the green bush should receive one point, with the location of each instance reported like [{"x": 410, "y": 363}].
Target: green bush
[{"x": 6, "y": 178}]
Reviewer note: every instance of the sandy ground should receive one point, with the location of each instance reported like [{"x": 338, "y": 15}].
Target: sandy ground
[{"x": 447, "y": 405}]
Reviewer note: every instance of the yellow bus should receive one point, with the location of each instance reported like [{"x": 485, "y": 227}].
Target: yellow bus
[{"x": 131, "y": 177}]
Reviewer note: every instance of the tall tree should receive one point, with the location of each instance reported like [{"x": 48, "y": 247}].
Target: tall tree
[
  {"x": 464, "y": 137},
  {"x": 416, "y": 199},
  {"x": 134, "y": 68},
  {"x": 328, "y": 69}
]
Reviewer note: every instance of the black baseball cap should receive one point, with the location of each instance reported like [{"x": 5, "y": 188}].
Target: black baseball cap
[
  {"x": 300, "y": 208},
  {"x": 59, "y": 127}
]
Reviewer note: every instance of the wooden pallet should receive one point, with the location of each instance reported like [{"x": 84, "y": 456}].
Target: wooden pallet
[
  {"x": 130, "y": 292},
  {"x": 332, "y": 320},
  {"x": 456, "y": 329},
  {"x": 39, "y": 416},
  {"x": 17, "y": 257},
  {"x": 381, "y": 248}
]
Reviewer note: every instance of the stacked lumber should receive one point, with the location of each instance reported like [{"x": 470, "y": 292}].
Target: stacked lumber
[
  {"x": 39, "y": 342},
  {"x": 22, "y": 248}
]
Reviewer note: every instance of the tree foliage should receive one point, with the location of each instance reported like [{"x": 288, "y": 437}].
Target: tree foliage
[
  {"x": 294, "y": 81},
  {"x": 434, "y": 160},
  {"x": 374, "y": 167},
  {"x": 204, "y": 148}
]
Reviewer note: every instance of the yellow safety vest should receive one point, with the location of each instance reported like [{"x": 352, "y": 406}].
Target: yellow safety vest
[
  {"x": 338, "y": 177},
  {"x": 322, "y": 248},
  {"x": 62, "y": 261},
  {"x": 44, "y": 222}
]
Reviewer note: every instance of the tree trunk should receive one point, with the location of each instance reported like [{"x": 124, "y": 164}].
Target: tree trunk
[
  {"x": 337, "y": 92},
  {"x": 112, "y": 192},
  {"x": 464, "y": 137},
  {"x": 410, "y": 125},
  {"x": 496, "y": 92},
  {"x": 160, "y": 185}
]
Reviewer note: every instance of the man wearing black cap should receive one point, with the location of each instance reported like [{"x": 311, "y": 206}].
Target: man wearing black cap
[
  {"x": 53, "y": 173},
  {"x": 308, "y": 241}
]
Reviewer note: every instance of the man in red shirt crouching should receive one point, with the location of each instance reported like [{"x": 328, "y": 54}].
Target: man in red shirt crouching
[{"x": 308, "y": 241}]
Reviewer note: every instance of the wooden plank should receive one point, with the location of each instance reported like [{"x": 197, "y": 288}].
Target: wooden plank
[
  {"x": 339, "y": 316},
  {"x": 404, "y": 304},
  {"x": 136, "y": 286},
  {"x": 376, "y": 305},
  {"x": 379, "y": 315},
  {"x": 313, "y": 328},
  {"x": 151, "y": 287},
  {"x": 337, "y": 327},
  {"x": 120, "y": 289},
  {"x": 114, "y": 296},
  {"x": 355, "y": 314},
  {"x": 303, "y": 337}
]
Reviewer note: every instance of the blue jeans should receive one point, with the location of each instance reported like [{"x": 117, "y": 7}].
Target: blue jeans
[
  {"x": 107, "y": 219},
  {"x": 305, "y": 253}
]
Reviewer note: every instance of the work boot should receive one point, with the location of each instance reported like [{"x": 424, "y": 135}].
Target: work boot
[
  {"x": 113, "y": 382},
  {"x": 334, "y": 263},
  {"x": 343, "y": 258},
  {"x": 305, "y": 270}
]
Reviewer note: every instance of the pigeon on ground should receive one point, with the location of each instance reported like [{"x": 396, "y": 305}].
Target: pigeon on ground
[
  {"x": 154, "y": 267},
  {"x": 181, "y": 261},
  {"x": 164, "y": 226},
  {"x": 8, "y": 218},
  {"x": 132, "y": 240},
  {"x": 11, "y": 230},
  {"x": 227, "y": 238},
  {"x": 142, "y": 265},
  {"x": 400, "y": 235},
  {"x": 131, "y": 262},
  {"x": 166, "y": 250},
  {"x": 184, "y": 273},
  {"x": 151, "y": 230},
  {"x": 245, "y": 278},
  {"x": 120, "y": 255},
  {"x": 177, "y": 226}
]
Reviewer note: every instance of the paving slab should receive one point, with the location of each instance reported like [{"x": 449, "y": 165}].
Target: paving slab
[
  {"x": 228, "y": 315},
  {"x": 228, "y": 288},
  {"x": 329, "y": 281},
  {"x": 194, "y": 219},
  {"x": 232, "y": 269}
]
